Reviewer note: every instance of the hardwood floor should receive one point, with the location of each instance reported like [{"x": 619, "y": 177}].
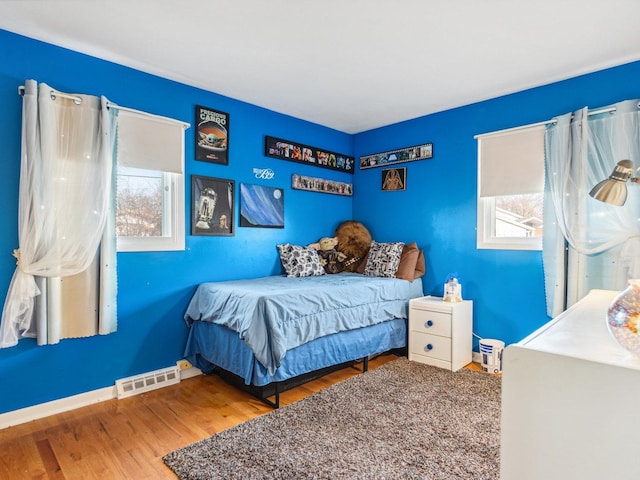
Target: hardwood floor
[
  {"x": 126, "y": 439},
  {"x": 122, "y": 439}
]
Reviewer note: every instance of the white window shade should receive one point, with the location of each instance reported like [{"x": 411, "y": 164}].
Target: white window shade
[
  {"x": 511, "y": 162},
  {"x": 150, "y": 143}
]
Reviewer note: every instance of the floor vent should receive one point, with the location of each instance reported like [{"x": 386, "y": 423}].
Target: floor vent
[{"x": 130, "y": 386}]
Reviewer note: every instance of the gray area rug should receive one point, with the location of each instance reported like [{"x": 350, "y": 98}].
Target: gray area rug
[{"x": 403, "y": 420}]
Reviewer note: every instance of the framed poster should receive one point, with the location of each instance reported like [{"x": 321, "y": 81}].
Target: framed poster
[
  {"x": 212, "y": 136},
  {"x": 394, "y": 179},
  {"x": 297, "y": 152},
  {"x": 409, "y": 154},
  {"x": 313, "y": 184},
  {"x": 212, "y": 206},
  {"x": 261, "y": 206}
]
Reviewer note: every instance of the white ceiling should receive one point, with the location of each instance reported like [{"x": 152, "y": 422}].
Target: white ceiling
[{"x": 352, "y": 65}]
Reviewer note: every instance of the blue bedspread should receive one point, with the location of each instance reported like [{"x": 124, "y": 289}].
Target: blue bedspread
[{"x": 275, "y": 314}]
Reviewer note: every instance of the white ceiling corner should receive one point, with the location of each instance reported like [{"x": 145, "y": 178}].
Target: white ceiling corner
[{"x": 349, "y": 65}]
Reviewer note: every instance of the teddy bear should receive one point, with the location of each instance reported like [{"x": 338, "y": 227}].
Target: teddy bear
[
  {"x": 354, "y": 241},
  {"x": 330, "y": 259}
]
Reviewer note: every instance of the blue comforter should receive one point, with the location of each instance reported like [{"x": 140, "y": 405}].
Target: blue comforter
[{"x": 278, "y": 313}]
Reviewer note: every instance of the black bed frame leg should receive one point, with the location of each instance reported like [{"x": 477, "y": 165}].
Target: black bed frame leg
[
  {"x": 276, "y": 404},
  {"x": 276, "y": 396},
  {"x": 365, "y": 364}
]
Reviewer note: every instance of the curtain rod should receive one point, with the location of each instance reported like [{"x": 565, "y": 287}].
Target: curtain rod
[
  {"x": 547, "y": 122},
  {"x": 78, "y": 100},
  {"x": 159, "y": 118}
]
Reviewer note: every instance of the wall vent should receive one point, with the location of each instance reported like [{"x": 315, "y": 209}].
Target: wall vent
[{"x": 145, "y": 382}]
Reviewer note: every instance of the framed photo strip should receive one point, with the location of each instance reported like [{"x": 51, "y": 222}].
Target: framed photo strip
[
  {"x": 297, "y": 152},
  {"x": 321, "y": 185},
  {"x": 409, "y": 154}
]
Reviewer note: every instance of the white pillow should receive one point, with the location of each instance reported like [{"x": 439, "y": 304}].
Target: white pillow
[{"x": 300, "y": 261}]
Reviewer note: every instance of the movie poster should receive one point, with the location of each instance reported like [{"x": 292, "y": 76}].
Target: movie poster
[{"x": 212, "y": 136}]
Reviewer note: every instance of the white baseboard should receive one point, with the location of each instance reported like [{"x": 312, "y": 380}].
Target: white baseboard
[
  {"x": 190, "y": 372},
  {"x": 476, "y": 357},
  {"x": 43, "y": 410}
]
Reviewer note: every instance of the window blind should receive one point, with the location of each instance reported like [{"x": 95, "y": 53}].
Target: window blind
[
  {"x": 149, "y": 143},
  {"x": 511, "y": 162}
]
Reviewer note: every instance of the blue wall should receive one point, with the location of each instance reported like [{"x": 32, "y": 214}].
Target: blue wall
[
  {"x": 438, "y": 210},
  {"x": 154, "y": 288}
]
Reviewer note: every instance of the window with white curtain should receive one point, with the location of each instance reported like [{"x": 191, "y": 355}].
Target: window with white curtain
[
  {"x": 150, "y": 184},
  {"x": 511, "y": 189}
]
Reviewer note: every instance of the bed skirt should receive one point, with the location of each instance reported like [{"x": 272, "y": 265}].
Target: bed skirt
[{"x": 210, "y": 345}]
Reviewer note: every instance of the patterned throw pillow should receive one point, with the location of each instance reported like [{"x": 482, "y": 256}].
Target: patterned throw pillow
[
  {"x": 300, "y": 261},
  {"x": 383, "y": 259}
]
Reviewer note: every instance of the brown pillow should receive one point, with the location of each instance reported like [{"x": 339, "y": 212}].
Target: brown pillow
[
  {"x": 408, "y": 262},
  {"x": 420, "y": 266}
]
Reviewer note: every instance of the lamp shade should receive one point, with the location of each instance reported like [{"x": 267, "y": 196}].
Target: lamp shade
[
  {"x": 609, "y": 191},
  {"x": 613, "y": 190}
]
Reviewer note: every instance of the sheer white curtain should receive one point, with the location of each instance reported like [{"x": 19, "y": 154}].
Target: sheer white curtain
[
  {"x": 64, "y": 202},
  {"x": 587, "y": 243}
]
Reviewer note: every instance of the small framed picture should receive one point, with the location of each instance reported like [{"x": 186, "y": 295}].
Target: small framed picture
[
  {"x": 212, "y": 207},
  {"x": 261, "y": 206},
  {"x": 394, "y": 179},
  {"x": 212, "y": 136}
]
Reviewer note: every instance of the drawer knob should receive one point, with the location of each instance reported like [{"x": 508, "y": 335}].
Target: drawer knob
[
  {"x": 428, "y": 323},
  {"x": 428, "y": 347}
]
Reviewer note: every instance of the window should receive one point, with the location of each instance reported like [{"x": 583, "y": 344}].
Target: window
[
  {"x": 148, "y": 215},
  {"x": 150, "y": 184},
  {"x": 511, "y": 189}
]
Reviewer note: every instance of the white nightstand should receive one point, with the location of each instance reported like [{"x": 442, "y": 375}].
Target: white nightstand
[{"x": 440, "y": 333}]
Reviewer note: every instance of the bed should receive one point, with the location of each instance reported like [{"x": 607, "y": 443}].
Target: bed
[{"x": 267, "y": 333}]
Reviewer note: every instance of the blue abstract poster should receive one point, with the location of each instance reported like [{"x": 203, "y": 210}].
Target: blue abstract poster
[{"x": 261, "y": 206}]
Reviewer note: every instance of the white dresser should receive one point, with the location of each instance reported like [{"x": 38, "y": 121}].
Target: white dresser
[
  {"x": 571, "y": 400},
  {"x": 440, "y": 333}
]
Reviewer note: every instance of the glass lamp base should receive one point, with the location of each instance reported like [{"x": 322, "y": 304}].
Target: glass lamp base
[{"x": 623, "y": 317}]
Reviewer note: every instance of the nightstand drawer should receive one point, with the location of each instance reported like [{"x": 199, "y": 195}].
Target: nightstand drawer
[
  {"x": 430, "y": 346},
  {"x": 434, "y": 323}
]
